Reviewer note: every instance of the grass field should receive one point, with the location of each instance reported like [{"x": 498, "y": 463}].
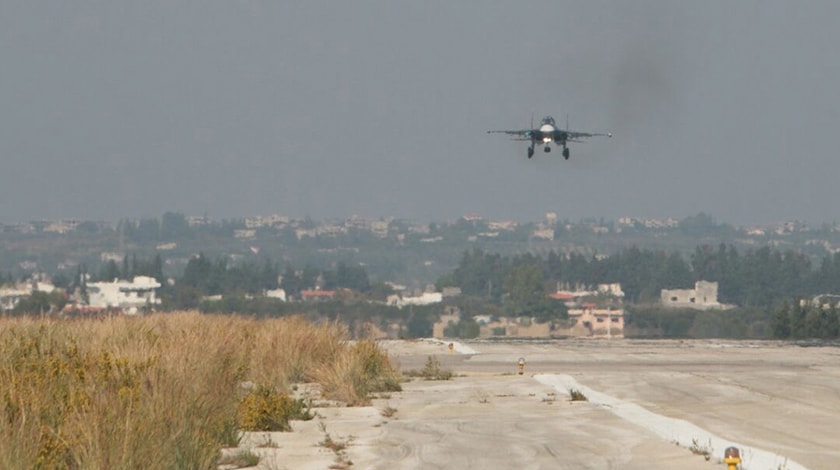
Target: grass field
[{"x": 164, "y": 390}]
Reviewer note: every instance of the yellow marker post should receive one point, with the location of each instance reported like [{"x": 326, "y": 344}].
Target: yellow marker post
[
  {"x": 451, "y": 347},
  {"x": 732, "y": 457},
  {"x": 521, "y": 365}
]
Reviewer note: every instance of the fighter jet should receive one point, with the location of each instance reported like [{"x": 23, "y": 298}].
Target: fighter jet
[{"x": 548, "y": 133}]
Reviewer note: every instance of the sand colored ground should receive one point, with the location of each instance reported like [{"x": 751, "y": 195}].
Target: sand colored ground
[{"x": 780, "y": 398}]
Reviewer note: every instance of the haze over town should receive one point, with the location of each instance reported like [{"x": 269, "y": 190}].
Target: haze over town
[{"x": 319, "y": 109}]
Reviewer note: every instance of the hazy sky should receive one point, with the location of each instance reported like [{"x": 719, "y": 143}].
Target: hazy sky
[{"x": 113, "y": 109}]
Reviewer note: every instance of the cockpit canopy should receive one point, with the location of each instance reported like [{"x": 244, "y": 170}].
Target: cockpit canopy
[{"x": 548, "y": 120}]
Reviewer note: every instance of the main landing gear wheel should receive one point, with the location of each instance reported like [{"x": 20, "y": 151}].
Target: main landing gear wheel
[
  {"x": 530, "y": 152},
  {"x": 547, "y": 149},
  {"x": 566, "y": 153}
]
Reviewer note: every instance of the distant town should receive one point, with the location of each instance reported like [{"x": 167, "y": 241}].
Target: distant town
[{"x": 469, "y": 277}]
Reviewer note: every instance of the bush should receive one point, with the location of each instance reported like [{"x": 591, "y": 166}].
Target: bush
[
  {"x": 577, "y": 395},
  {"x": 431, "y": 371},
  {"x": 265, "y": 409},
  {"x": 352, "y": 377}
]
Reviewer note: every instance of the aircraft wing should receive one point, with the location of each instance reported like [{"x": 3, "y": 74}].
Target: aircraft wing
[
  {"x": 571, "y": 135},
  {"x": 526, "y": 133}
]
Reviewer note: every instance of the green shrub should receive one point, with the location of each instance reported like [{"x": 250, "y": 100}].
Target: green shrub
[
  {"x": 577, "y": 395},
  {"x": 431, "y": 371},
  {"x": 265, "y": 409}
]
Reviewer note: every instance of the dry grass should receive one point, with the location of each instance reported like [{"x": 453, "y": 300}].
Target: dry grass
[
  {"x": 431, "y": 371},
  {"x": 160, "y": 391},
  {"x": 353, "y": 376}
]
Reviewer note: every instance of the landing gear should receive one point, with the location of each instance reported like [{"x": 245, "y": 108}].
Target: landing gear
[
  {"x": 547, "y": 149},
  {"x": 566, "y": 153},
  {"x": 530, "y": 152}
]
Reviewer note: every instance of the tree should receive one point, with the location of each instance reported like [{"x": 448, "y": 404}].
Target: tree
[
  {"x": 465, "y": 328},
  {"x": 349, "y": 277},
  {"x": 89, "y": 228},
  {"x": 109, "y": 271},
  {"x": 524, "y": 286},
  {"x": 700, "y": 225},
  {"x": 60, "y": 280},
  {"x": 447, "y": 280},
  {"x": 797, "y": 314},
  {"x": 157, "y": 268},
  {"x": 39, "y": 303},
  {"x": 148, "y": 230},
  {"x": 269, "y": 275},
  {"x": 81, "y": 281},
  {"x": 174, "y": 226},
  {"x": 295, "y": 281},
  {"x": 291, "y": 283},
  {"x": 201, "y": 274},
  {"x": 419, "y": 326},
  {"x": 480, "y": 274}
]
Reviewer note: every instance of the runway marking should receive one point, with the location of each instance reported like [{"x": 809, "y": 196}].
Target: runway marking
[{"x": 681, "y": 432}]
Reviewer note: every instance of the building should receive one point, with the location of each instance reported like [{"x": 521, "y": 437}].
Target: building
[
  {"x": 451, "y": 317},
  {"x": 543, "y": 233},
  {"x": 702, "y": 297},
  {"x": 279, "y": 294},
  {"x": 131, "y": 297},
  {"x": 11, "y": 295},
  {"x": 612, "y": 290},
  {"x": 426, "y": 298},
  {"x": 521, "y": 327},
  {"x": 311, "y": 295},
  {"x": 591, "y": 321}
]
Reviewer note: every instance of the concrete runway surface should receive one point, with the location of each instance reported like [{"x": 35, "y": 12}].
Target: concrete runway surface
[{"x": 652, "y": 405}]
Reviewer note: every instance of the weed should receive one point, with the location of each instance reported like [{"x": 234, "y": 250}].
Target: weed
[
  {"x": 388, "y": 411},
  {"x": 431, "y": 371},
  {"x": 339, "y": 447},
  {"x": 697, "y": 449},
  {"x": 577, "y": 395},
  {"x": 268, "y": 442},
  {"x": 241, "y": 459}
]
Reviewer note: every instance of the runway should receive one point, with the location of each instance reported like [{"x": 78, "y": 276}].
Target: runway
[{"x": 778, "y": 402}]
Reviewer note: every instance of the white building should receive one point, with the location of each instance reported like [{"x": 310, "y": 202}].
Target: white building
[
  {"x": 276, "y": 294},
  {"x": 132, "y": 297},
  {"x": 703, "y": 296},
  {"x": 426, "y": 298}
]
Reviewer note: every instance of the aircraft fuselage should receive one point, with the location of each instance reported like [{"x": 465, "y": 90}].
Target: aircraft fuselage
[{"x": 547, "y": 134}]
